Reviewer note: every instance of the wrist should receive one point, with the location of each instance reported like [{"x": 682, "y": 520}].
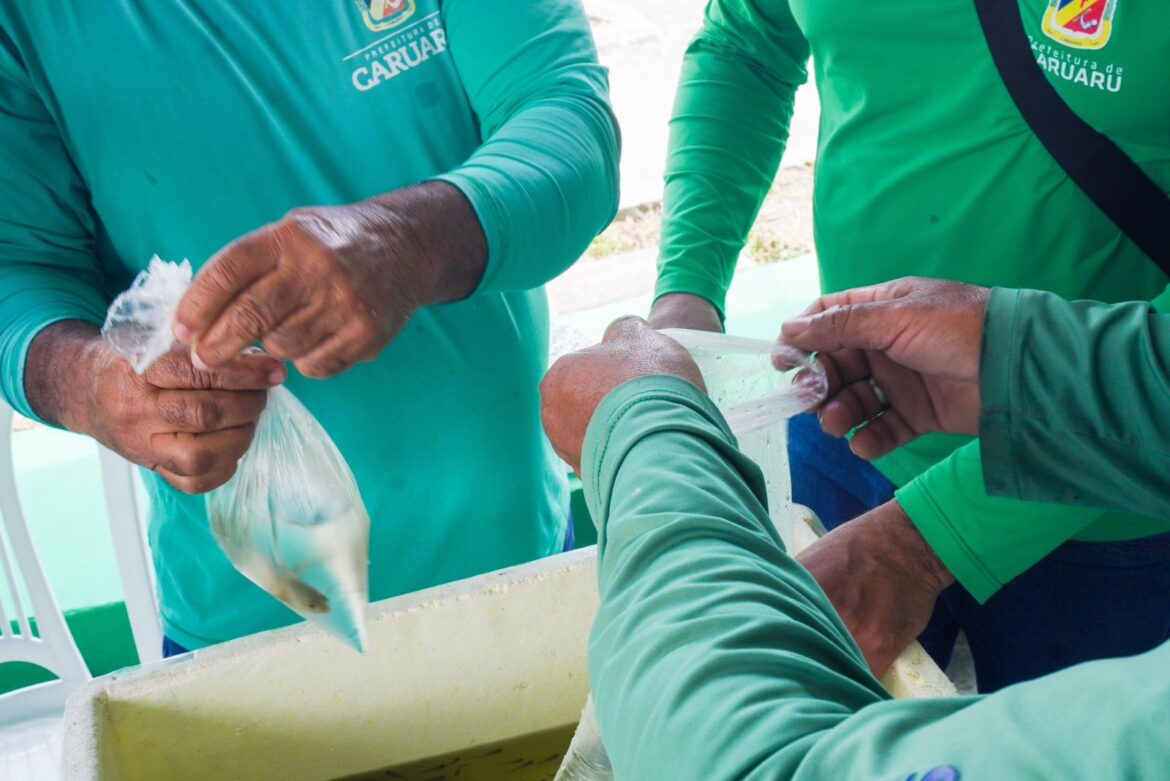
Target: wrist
[
  {"x": 910, "y": 549},
  {"x": 61, "y": 373},
  {"x": 432, "y": 229},
  {"x": 685, "y": 310}
]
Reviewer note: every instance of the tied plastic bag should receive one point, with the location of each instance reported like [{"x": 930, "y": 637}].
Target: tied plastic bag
[
  {"x": 291, "y": 519},
  {"x": 756, "y": 401}
]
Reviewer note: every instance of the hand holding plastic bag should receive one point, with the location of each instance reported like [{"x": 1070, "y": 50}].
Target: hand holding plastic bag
[{"x": 291, "y": 518}]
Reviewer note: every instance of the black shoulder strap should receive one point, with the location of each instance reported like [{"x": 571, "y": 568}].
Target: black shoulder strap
[{"x": 1106, "y": 174}]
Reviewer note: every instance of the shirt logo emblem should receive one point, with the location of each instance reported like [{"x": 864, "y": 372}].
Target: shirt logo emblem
[
  {"x": 385, "y": 14},
  {"x": 1082, "y": 24}
]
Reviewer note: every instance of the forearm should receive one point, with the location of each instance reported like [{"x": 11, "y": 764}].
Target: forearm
[
  {"x": 1074, "y": 402},
  {"x": 33, "y": 297},
  {"x": 728, "y": 131},
  {"x": 433, "y": 224},
  {"x": 715, "y": 656},
  {"x": 58, "y": 376},
  {"x": 700, "y": 604}
]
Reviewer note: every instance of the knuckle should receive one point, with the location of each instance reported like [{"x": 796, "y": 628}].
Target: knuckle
[
  {"x": 287, "y": 349},
  {"x": 206, "y": 415},
  {"x": 311, "y": 369},
  {"x": 251, "y": 317},
  {"x": 323, "y": 367},
  {"x": 125, "y": 408},
  {"x": 367, "y": 330},
  {"x": 180, "y": 483},
  {"x": 282, "y": 344},
  {"x": 193, "y": 461},
  {"x": 202, "y": 461}
]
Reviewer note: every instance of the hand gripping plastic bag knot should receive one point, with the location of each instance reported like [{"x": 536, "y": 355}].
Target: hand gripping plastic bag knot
[
  {"x": 291, "y": 518},
  {"x": 743, "y": 381}
]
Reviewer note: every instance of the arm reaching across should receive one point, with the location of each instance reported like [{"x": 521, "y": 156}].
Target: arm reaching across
[{"x": 715, "y": 656}]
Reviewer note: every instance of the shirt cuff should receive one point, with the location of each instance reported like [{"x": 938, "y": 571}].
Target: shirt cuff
[
  {"x": 998, "y": 365},
  {"x": 490, "y": 220},
  {"x": 946, "y": 542},
  {"x": 694, "y": 282}
]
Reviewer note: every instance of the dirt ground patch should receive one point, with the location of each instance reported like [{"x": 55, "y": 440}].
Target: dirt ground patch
[{"x": 782, "y": 230}]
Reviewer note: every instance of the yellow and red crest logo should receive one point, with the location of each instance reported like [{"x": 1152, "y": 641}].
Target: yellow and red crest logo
[
  {"x": 1083, "y": 24},
  {"x": 385, "y": 14}
]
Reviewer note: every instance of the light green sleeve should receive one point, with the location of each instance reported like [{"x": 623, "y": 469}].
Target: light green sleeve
[
  {"x": 48, "y": 269},
  {"x": 727, "y": 135},
  {"x": 1059, "y": 362},
  {"x": 984, "y": 541},
  {"x": 1076, "y": 401},
  {"x": 545, "y": 180},
  {"x": 715, "y": 656}
]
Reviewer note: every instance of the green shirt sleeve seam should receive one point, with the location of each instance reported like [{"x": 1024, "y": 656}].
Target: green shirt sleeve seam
[{"x": 972, "y": 572}]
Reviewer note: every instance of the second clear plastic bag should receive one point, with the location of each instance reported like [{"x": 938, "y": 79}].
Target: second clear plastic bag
[{"x": 291, "y": 519}]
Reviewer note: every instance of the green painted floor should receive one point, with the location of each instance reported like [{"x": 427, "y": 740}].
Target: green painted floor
[{"x": 60, "y": 483}]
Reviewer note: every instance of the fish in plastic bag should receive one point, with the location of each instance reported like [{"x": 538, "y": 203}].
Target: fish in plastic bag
[{"x": 291, "y": 518}]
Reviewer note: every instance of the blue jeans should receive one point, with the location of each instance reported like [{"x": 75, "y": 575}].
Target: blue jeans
[
  {"x": 1083, "y": 601},
  {"x": 171, "y": 648}
]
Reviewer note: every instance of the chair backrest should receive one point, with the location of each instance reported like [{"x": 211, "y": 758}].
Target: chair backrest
[
  {"x": 52, "y": 646},
  {"x": 132, "y": 554}
]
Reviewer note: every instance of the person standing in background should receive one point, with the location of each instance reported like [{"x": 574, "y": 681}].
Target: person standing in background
[{"x": 926, "y": 167}]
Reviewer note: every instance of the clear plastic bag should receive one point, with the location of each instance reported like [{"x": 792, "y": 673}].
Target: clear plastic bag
[
  {"x": 291, "y": 518},
  {"x": 756, "y": 400}
]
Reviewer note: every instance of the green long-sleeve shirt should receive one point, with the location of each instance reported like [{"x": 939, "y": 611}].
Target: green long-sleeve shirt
[
  {"x": 128, "y": 129},
  {"x": 924, "y": 167},
  {"x": 1076, "y": 401},
  {"x": 715, "y": 656}
]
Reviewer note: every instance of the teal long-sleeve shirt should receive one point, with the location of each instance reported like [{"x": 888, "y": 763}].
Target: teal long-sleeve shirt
[
  {"x": 128, "y": 129},
  {"x": 714, "y": 655},
  {"x": 904, "y": 188}
]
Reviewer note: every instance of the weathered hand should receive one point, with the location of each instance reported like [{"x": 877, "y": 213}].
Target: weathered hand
[
  {"x": 915, "y": 342},
  {"x": 683, "y": 310},
  {"x": 188, "y": 425},
  {"x": 577, "y": 383},
  {"x": 882, "y": 578},
  {"x": 328, "y": 287}
]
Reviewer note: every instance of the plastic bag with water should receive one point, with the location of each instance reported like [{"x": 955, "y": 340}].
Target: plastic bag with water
[
  {"x": 291, "y": 519},
  {"x": 757, "y": 401}
]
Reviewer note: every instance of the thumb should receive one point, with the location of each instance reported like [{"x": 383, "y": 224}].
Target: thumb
[{"x": 850, "y": 326}]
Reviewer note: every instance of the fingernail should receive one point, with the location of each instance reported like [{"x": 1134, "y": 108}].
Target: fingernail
[
  {"x": 198, "y": 363},
  {"x": 795, "y": 326},
  {"x": 182, "y": 333},
  {"x": 277, "y": 375}
]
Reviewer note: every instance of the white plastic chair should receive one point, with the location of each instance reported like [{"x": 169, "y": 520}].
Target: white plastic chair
[
  {"x": 53, "y": 647},
  {"x": 132, "y": 554}
]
